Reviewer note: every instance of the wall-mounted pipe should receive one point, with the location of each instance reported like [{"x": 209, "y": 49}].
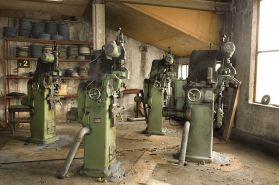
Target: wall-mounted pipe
[
  {"x": 73, "y": 151},
  {"x": 184, "y": 143}
]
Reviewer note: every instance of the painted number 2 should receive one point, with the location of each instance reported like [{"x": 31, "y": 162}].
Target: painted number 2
[{"x": 23, "y": 64}]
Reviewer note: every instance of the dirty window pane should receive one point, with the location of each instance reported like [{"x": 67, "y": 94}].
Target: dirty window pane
[
  {"x": 184, "y": 71},
  {"x": 269, "y": 25},
  {"x": 217, "y": 66},
  {"x": 267, "y": 76}
]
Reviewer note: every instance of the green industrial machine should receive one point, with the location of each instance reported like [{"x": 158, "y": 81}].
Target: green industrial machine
[
  {"x": 98, "y": 108},
  {"x": 198, "y": 99},
  {"x": 155, "y": 93},
  {"x": 41, "y": 98}
]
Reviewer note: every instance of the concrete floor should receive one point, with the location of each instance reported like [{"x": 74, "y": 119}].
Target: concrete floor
[{"x": 258, "y": 167}]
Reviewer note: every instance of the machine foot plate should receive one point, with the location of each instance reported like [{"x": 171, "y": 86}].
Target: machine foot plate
[
  {"x": 199, "y": 159},
  {"x": 155, "y": 132},
  {"x": 43, "y": 141},
  {"x": 95, "y": 173}
]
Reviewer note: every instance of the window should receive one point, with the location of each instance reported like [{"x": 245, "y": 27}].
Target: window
[
  {"x": 268, "y": 52},
  {"x": 183, "y": 71}
]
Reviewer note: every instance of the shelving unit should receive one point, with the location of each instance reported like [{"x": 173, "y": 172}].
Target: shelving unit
[{"x": 7, "y": 58}]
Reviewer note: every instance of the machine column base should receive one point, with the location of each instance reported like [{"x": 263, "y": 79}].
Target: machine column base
[
  {"x": 155, "y": 132},
  {"x": 43, "y": 141},
  {"x": 113, "y": 167},
  {"x": 95, "y": 173},
  {"x": 199, "y": 159}
]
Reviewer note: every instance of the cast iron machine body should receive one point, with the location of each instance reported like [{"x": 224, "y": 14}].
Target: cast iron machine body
[
  {"x": 199, "y": 98},
  {"x": 41, "y": 98},
  {"x": 155, "y": 93},
  {"x": 97, "y": 107}
]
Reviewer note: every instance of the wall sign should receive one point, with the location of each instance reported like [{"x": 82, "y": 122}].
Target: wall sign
[{"x": 23, "y": 64}]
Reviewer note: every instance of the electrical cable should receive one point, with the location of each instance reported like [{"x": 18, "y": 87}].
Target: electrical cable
[{"x": 95, "y": 58}]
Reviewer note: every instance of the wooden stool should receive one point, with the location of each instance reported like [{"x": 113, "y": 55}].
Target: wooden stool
[{"x": 12, "y": 110}]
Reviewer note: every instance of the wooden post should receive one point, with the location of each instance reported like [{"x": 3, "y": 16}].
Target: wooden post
[{"x": 231, "y": 114}]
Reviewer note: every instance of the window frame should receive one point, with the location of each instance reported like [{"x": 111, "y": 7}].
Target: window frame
[{"x": 257, "y": 52}]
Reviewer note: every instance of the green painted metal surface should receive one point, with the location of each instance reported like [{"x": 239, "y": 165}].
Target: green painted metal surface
[
  {"x": 155, "y": 93},
  {"x": 155, "y": 119},
  {"x": 41, "y": 97},
  {"x": 201, "y": 132},
  {"x": 199, "y": 98},
  {"x": 98, "y": 107},
  {"x": 43, "y": 126}
]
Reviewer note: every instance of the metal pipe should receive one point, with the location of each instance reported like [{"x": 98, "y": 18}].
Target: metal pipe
[
  {"x": 73, "y": 151},
  {"x": 184, "y": 143},
  {"x": 136, "y": 119}
]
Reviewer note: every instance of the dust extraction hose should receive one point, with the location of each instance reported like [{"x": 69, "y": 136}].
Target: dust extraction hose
[
  {"x": 184, "y": 143},
  {"x": 73, "y": 151}
]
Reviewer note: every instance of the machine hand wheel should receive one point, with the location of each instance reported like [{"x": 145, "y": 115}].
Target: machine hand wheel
[
  {"x": 94, "y": 94},
  {"x": 157, "y": 85},
  {"x": 36, "y": 86},
  {"x": 194, "y": 94}
]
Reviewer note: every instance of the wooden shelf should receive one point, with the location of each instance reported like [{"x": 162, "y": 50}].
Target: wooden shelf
[
  {"x": 61, "y": 42},
  {"x": 66, "y": 96},
  {"x": 69, "y": 96},
  {"x": 18, "y": 77},
  {"x": 73, "y": 78},
  {"x": 35, "y": 59},
  {"x": 10, "y": 97},
  {"x": 6, "y": 58},
  {"x": 73, "y": 60},
  {"x": 62, "y": 78},
  {"x": 131, "y": 91}
]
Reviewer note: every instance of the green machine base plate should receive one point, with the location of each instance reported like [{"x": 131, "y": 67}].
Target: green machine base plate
[
  {"x": 199, "y": 159},
  {"x": 153, "y": 132},
  {"x": 43, "y": 141},
  {"x": 95, "y": 173},
  {"x": 114, "y": 167}
]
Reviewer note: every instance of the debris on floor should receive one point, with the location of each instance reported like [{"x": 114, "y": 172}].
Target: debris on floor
[
  {"x": 117, "y": 173},
  {"x": 220, "y": 158},
  {"x": 141, "y": 171},
  {"x": 226, "y": 162},
  {"x": 144, "y": 137},
  {"x": 64, "y": 140}
]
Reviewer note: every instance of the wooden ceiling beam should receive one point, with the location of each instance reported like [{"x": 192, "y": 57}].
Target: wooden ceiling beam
[{"x": 187, "y": 4}]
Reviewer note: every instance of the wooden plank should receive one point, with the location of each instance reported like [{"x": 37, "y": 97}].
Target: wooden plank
[
  {"x": 35, "y": 59},
  {"x": 131, "y": 91},
  {"x": 46, "y": 41},
  {"x": 187, "y": 4},
  {"x": 141, "y": 171},
  {"x": 231, "y": 114},
  {"x": 144, "y": 137},
  {"x": 65, "y": 96},
  {"x": 19, "y": 77},
  {"x": 62, "y": 78},
  {"x": 156, "y": 182}
]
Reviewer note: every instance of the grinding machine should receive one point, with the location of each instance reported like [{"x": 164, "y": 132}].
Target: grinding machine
[
  {"x": 98, "y": 108},
  {"x": 41, "y": 98},
  {"x": 155, "y": 93},
  {"x": 198, "y": 99}
]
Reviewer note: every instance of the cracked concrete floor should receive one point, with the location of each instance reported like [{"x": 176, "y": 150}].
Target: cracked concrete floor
[{"x": 258, "y": 167}]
